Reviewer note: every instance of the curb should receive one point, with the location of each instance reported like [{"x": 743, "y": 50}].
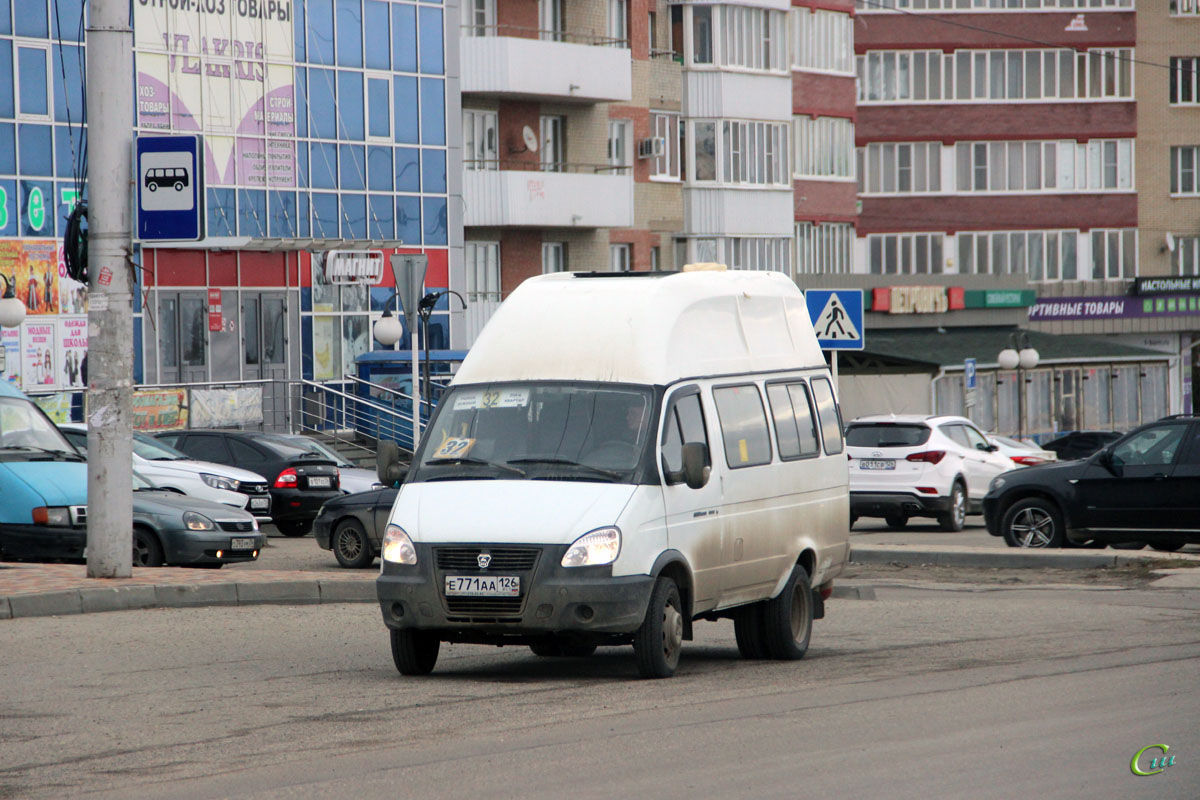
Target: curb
[
  {"x": 996, "y": 559},
  {"x": 125, "y": 598}
]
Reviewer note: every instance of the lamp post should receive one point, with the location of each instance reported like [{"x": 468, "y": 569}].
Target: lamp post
[
  {"x": 12, "y": 310},
  {"x": 1019, "y": 355},
  {"x": 425, "y": 311}
]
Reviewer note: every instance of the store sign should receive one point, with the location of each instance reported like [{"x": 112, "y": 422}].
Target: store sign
[
  {"x": 1055, "y": 309},
  {"x": 1144, "y": 286},
  {"x": 354, "y": 266},
  {"x": 940, "y": 299}
]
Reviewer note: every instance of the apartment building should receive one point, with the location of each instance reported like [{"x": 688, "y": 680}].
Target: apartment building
[
  {"x": 1000, "y": 168},
  {"x": 570, "y": 115}
]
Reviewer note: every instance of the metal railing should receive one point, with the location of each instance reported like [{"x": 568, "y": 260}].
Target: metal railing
[
  {"x": 516, "y": 165},
  {"x": 355, "y": 421},
  {"x": 544, "y": 34}
]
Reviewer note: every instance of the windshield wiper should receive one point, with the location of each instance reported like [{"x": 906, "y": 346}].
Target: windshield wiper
[
  {"x": 476, "y": 461},
  {"x": 566, "y": 462},
  {"x": 35, "y": 449}
]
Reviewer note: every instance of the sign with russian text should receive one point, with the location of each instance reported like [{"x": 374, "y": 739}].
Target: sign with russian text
[
  {"x": 354, "y": 266},
  {"x": 1057, "y": 309},
  {"x": 159, "y": 409}
]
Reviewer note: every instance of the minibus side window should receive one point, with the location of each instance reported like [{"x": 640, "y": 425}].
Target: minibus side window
[
  {"x": 684, "y": 423},
  {"x": 795, "y": 426},
  {"x": 830, "y": 416},
  {"x": 743, "y": 425}
]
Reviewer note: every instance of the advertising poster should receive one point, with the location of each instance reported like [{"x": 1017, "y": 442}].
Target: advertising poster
[
  {"x": 324, "y": 338},
  {"x": 160, "y": 409},
  {"x": 37, "y": 355},
  {"x": 57, "y": 407},
  {"x": 32, "y": 267},
  {"x": 223, "y": 69},
  {"x": 10, "y": 340},
  {"x": 72, "y": 352},
  {"x": 72, "y": 295}
]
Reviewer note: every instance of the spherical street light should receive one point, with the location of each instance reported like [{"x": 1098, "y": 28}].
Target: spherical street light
[
  {"x": 12, "y": 310},
  {"x": 1008, "y": 358},
  {"x": 1027, "y": 358},
  {"x": 388, "y": 330}
]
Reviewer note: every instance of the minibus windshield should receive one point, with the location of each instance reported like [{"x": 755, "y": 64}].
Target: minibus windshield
[
  {"x": 27, "y": 435},
  {"x": 538, "y": 431}
]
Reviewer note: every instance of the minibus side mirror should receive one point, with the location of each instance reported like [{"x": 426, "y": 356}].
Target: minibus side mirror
[
  {"x": 696, "y": 466},
  {"x": 387, "y": 464}
]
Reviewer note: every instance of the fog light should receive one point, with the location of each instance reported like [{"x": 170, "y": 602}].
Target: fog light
[
  {"x": 220, "y": 553},
  {"x": 585, "y": 613},
  {"x": 254, "y": 553},
  {"x": 397, "y": 610}
]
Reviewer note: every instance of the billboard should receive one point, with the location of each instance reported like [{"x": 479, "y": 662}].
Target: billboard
[{"x": 223, "y": 68}]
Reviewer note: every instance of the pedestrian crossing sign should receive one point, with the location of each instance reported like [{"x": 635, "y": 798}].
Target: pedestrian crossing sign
[{"x": 837, "y": 317}]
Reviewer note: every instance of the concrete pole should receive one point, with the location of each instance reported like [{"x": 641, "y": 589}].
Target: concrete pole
[{"x": 110, "y": 297}]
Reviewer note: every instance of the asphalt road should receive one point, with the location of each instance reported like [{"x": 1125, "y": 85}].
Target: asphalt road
[{"x": 931, "y": 690}]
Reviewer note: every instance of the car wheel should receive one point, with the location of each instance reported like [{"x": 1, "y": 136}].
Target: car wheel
[
  {"x": 955, "y": 517},
  {"x": 1128, "y": 545},
  {"x": 788, "y": 618},
  {"x": 1033, "y": 523},
  {"x": 658, "y": 642},
  {"x": 294, "y": 529},
  {"x": 147, "y": 552},
  {"x": 414, "y": 652},
  {"x": 553, "y": 649},
  {"x": 1166, "y": 547},
  {"x": 896, "y": 521},
  {"x": 351, "y": 547},
  {"x": 748, "y": 629}
]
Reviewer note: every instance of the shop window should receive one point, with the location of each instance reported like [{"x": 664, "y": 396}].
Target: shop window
[
  {"x": 382, "y": 222},
  {"x": 324, "y": 215},
  {"x": 32, "y": 77},
  {"x": 322, "y": 104},
  {"x": 433, "y": 111},
  {"x": 349, "y": 33},
  {"x": 378, "y": 37},
  {"x": 432, "y": 57},
  {"x": 379, "y": 108},
  {"x": 32, "y": 20},
  {"x": 324, "y": 165},
  {"x": 350, "y": 106},
  {"x": 282, "y": 222},
  {"x": 36, "y": 149},
  {"x": 252, "y": 213},
  {"x": 380, "y": 177},
  {"x": 408, "y": 219},
  {"x": 436, "y": 221},
  {"x": 7, "y": 107},
  {"x": 352, "y": 167},
  {"x": 404, "y": 37},
  {"x": 354, "y": 216},
  {"x": 320, "y": 25},
  {"x": 408, "y": 172},
  {"x": 433, "y": 171},
  {"x": 68, "y": 84}
]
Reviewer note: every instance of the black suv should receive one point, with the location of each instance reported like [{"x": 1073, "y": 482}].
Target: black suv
[
  {"x": 1144, "y": 487},
  {"x": 301, "y": 479}
]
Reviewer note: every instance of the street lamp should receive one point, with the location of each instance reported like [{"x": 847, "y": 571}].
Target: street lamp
[
  {"x": 388, "y": 329},
  {"x": 425, "y": 311},
  {"x": 12, "y": 310},
  {"x": 1019, "y": 355}
]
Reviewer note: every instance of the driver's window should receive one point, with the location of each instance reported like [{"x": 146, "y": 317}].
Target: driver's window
[
  {"x": 975, "y": 439},
  {"x": 683, "y": 423},
  {"x": 1156, "y": 446}
]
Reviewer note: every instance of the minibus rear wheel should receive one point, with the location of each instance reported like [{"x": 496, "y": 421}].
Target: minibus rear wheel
[{"x": 788, "y": 618}]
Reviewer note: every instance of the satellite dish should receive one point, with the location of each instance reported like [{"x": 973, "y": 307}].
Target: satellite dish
[
  {"x": 531, "y": 139},
  {"x": 1171, "y": 242}
]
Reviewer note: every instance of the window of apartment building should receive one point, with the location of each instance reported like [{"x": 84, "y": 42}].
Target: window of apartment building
[
  {"x": 702, "y": 34},
  {"x": 479, "y": 16},
  {"x": 479, "y": 140},
  {"x": 1059, "y": 166},
  {"x": 1114, "y": 254},
  {"x": 483, "y": 285},
  {"x": 1182, "y": 7},
  {"x": 823, "y": 41},
  {"x": 991, "y": 5},
  {"x": 752, "y": 153},
  {"x": 652, "y": 33},
  {"x": 554, "y": 257},
  {"x": 618, "y": 23},
  {"x": 704, "y": 139},
  {"x": 620, "y": 257},
  {"x": 552, "y": 24},
  {"x": 1185, "y": 80},
  {"x": 655, "y": 258},
  {"x": 765, "y": 253},
  {"x": 901, "y": 167},
  {"x": 905, "y": 253},
  {"x": 1185, "y": 260},
  {"x": 666, "y": 127},
  {"x": 1184, "y": 161},
  {"x": 824, "y": 247},
  {"x": 824, "y": 147},
  {"x": 751, "y": 38},
  {"x": 1043, "y": 255},
  {"x": 620, "y": 136},
  {"x": 1017, "y": 75},
  {"x": 553, "y": 152}
]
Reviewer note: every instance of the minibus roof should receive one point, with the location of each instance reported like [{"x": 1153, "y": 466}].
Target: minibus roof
[{"x": 648, "y": 328}]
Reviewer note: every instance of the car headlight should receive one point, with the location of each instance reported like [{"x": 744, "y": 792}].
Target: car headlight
[
  {"x": 197, "y": 522},
  {"x": 218, "y": 482},
  {"x": 254, "y": 524},
  {"x": 56, "y": 516},
  {"x": 594, "y": 549},
  {"x": 997, "y": 484},
  {"x": 397, "y": 547}
]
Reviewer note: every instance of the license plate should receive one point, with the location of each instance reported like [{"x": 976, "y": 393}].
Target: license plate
[
  {"x": 319, "y": 483},
  {"x": 241, "y": 544},
  {"x": 260, "y": 502},
  {"x": 483, "y": 585},
  {"x": 877, "y": 463}
]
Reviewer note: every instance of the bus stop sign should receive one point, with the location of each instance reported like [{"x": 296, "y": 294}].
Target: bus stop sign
[{"x": 169, "y": 171}]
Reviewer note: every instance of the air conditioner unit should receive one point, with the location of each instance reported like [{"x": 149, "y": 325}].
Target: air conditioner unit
[{"x": 653, "y": 147}]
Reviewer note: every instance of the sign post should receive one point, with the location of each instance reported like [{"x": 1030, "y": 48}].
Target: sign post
[
  {"x": 969, "y": 378},
  {"x": 409, "y": 271},
  {"x": 837, "y": 318}
]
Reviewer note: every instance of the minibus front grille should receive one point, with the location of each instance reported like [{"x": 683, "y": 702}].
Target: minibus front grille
[
  {"x": 485, "y": 606},
  {"x": 511, "y": 559}
]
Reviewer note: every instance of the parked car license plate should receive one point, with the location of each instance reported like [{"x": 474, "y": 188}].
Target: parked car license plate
[
  {"x": 319, "y": 482},
  {"x": 877, "y": 463},
  {"x": 241, "y": 544},
  {"x": 260, "y": 502},
  {"x": 483, "y": 585}
]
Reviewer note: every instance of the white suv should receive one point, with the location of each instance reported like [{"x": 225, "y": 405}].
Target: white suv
[{"x": 905, "y": 466}]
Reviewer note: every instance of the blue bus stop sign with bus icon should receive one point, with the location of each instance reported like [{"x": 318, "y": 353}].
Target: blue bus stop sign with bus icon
[
  {"x": 170, "y": 188},
  {"x": 837, "y": 317}
]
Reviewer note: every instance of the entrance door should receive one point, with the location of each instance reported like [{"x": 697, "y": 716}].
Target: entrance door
[
  {"x": 264, "y": 347},
  {"x": 183, "y": 337}
]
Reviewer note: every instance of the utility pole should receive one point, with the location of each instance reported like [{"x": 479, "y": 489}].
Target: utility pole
[{"x": 110, "y": 296}]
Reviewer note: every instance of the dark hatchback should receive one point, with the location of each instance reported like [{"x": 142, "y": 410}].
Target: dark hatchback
[
  {"x": 300, "y": 479},
  {"x": 352, "y": 526},
  {"x": 1142, "y": 488}
]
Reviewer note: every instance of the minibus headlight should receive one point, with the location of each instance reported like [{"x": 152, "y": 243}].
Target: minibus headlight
[
  {"x": 397, "y": 547},
  {"x": 594, "y": 549}
]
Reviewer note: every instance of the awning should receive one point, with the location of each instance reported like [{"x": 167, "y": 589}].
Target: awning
[{"x": 931, "y": 349}]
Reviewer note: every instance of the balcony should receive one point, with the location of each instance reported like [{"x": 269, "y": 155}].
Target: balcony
[
  {"x": 583, "y": 197},
  {"x": 513, "y": 66}
]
